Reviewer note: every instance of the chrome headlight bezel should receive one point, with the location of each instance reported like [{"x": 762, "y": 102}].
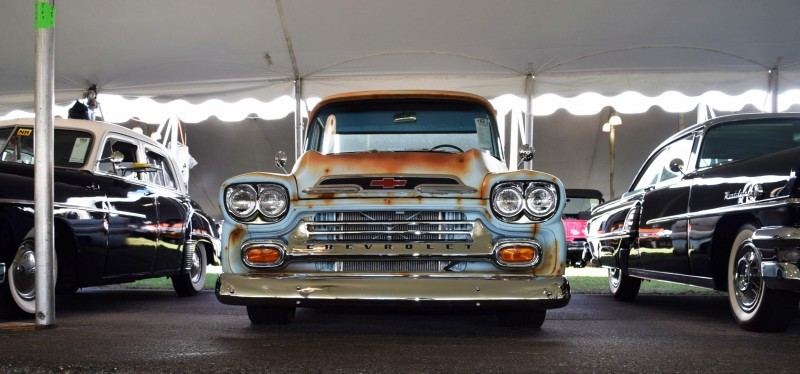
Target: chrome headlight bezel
[
  {"x": 510, "y": 190},
  {"x": 530, "y": 211},
  {"x": 540, "y": 190},
  {"x": 277, "y": 203},
  {"x": 250, "y": 196},
  {"x": 268, "y": 201}
]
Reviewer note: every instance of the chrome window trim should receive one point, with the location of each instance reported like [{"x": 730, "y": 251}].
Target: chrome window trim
[{"x": 761, "y": 204}]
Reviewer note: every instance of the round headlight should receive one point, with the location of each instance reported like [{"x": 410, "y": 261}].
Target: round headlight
[
  {"x": 540, "y": 199},
  {"x": 507, "y": 200},
  {"x": 272, "y": 200},
  {"x": 241, "y": 200}
]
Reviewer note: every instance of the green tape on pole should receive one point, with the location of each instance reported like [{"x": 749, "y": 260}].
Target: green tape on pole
[{"x": 45, "y": 15}]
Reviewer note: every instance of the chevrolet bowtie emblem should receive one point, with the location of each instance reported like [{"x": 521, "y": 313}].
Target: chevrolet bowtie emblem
[{"x": 387, "y": 183}]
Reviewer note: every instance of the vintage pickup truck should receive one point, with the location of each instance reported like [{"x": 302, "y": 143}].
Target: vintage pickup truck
[
  {"x": 717, "y": 206},
  {"x": 401, "y": 198}
]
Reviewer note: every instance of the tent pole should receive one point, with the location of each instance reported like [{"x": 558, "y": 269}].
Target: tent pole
[
  {"x": 43, "y": 164},
  {"x": 772, "y": 85},
  {"x": 298, "y": 118},
  {"x": 529, "y": 113}
]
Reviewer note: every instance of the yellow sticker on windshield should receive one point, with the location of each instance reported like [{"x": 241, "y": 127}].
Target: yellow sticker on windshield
[{"x": 24, "y": 132}]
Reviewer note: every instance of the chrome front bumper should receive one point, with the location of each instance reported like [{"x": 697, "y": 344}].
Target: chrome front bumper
[
  {"x": 780, "y": 252},
  {"x": 497, "y": 292}
]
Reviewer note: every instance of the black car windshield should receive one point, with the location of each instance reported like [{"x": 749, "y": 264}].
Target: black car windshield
[
  {"x": 70, "y": 147},
  {"x": 403, "y": 125}
]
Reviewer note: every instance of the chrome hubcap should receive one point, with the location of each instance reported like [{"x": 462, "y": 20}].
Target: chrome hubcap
[
  {"x": 194, "y": 271},
  {"x": 747, "y": 281},
  {"x": 24, "y": 272},
  {"x": 613, "y": 276}
]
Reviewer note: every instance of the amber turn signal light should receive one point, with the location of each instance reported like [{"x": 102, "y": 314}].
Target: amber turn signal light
[
  {"x": 256, "y": 256},
  {"x": 526, "y": 253},
  {"x": 516, "y": 254}
]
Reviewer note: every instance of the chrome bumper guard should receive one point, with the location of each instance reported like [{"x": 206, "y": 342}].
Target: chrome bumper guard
[
  {"x": 780, "y": 252},
  {"x": 2, "y": 272},
  {"x": 498, "y": 292}
]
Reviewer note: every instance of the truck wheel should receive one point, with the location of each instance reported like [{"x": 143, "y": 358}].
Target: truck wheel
[
  {"x": 191, "y": 282},
  {"x": 522, "y": 318},
  {"x": 260, "y": 315},
  {"x": 756, "y": 307},
  {"x": 622, "y": 286}
]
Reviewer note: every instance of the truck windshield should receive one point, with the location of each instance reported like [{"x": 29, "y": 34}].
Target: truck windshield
[
  {"x": 403, "y": 125},
  {"x": 70, "y": 148}
]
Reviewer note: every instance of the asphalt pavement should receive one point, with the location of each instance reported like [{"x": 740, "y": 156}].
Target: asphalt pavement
[{"x": 120, "y": 331}]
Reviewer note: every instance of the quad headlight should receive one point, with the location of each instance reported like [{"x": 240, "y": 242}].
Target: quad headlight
[
  {"x": 242, "y": 201},
  {"x": 535, "y": 200}
]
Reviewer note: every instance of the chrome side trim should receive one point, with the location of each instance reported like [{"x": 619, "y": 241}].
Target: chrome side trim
[
  {"x": 333, "y": 189},
  {"x": 55, "y": 205},
  {"x": 17, "y": 201},
  {"x": 763, "y": 204},
  {"x": 685, "y": 279}
]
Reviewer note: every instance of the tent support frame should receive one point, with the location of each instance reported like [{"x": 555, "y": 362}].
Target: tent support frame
[
  {"x": 43, "y": 169},
  {"x": 528, "y": 113}
]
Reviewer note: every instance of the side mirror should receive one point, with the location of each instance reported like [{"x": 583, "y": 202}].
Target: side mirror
[
  {"x": 676, "y": 166},
  {"x": 116, "y": 157},
  {"x": 526, "y": 153},
  {"x": 280, "y": 161}
]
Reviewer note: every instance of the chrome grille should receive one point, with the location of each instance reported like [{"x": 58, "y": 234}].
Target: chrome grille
[
  {"x": 390, "y": 226},
  {"x": 392, "y": 266}
]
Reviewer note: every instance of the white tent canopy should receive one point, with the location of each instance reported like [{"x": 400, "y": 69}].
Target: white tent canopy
[{"x": 671, "y": 53}]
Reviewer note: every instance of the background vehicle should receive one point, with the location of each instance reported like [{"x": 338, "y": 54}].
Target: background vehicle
[
  {"x": 401, "y": 198},
  {"x": 716, "y": 206},
  {"x": 577, "y": 211},
  {"x": 121, "y": 213}
]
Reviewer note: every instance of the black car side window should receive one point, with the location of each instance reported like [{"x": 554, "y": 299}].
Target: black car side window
[
  {"x": 658, "y": 171},
  {"x": 128, "y": 151},
  {"x": 162, "y": 175}
]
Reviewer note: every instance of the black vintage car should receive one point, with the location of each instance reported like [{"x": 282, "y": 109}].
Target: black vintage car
[
  {"x": 121, "y": 213},
  {"x": 717, "y": 206}
]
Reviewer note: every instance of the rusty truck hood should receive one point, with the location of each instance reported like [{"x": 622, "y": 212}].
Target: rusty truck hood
[{"x": 397, "y": 174}]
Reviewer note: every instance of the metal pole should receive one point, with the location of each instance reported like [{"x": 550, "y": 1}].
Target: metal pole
[
  {"x": 773, "y": 89},
  {"x": 529, "y": 113},
  {"x": 298, "y": 118},
  {"x": 43, "y": 163},
  {"x": 611, "y": 145}
]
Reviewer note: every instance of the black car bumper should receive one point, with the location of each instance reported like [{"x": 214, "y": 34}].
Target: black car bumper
[{"x": 780, "y": 254}]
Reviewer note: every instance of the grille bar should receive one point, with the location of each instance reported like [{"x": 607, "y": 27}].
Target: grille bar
[
  {"x": 387, "y": 226},
  {"x": 395, "y": 266}
]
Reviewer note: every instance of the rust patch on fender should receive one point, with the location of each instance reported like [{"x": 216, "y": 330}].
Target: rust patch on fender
[{"x": 236, "y": 235}]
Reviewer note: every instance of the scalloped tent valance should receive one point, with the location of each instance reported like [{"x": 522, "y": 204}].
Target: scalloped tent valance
[{"x": 582, "y": 55}]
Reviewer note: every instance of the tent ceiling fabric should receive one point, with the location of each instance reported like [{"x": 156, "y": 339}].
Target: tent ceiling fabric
[{"x": 196, "y": 50}]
